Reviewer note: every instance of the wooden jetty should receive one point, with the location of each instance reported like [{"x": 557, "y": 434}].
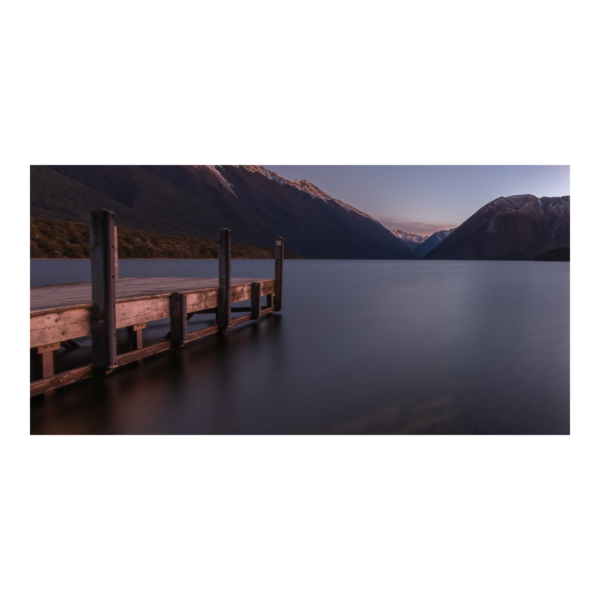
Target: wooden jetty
[{"x": 60, "y": 313}]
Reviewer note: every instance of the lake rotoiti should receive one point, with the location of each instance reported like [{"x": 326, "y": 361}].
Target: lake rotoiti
[{"x": 361, "y": 347}]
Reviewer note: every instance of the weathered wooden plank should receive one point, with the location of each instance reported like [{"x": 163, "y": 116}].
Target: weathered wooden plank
[
  {"x": 224, "y": 279},
  {"x": 143, "y": 310},
  {"x": 67, "y": 296},
  {"x": 241, "y": 292},
  {"x": 45, "y": 385},
  {"x": 196, "y": 335},
  {"x": 103, "y": 315},
  {"x": 255, "y": 297},
  {"x": 278, "y": 304},
  {"x": 268, "y": 286},
  {"x": 63, "y": 323},
  {"x": 244, "y": 291},
  {"x": 241, "y": 320},
  {"x": 135, "y": 355},
  {"x": 179, "y": 320},
  {"x": 58, "y": 326},
  {"x": 201, "y": 300},
  {"x": 47, "y": 309}
]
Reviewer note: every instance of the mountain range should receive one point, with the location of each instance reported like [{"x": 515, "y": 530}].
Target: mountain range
[
  {"x": 509, "y": 228},
  {"x": 410, "y": 240},
  {"x": 256, "y": 204}
]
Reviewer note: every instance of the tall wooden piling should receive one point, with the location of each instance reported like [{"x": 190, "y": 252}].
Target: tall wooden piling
[
  {"x": 179, "y": 320},
  {"x": 103, "y": 313},
  {"x": 116, "y": 255},
  {"x": 255, "y": 297},
  {"x": 224, "y": 308},
  {"x": 278, "y": 274}
]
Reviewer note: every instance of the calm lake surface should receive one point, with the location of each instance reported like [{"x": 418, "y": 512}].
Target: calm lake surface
[{"x": 361, "y": 347}]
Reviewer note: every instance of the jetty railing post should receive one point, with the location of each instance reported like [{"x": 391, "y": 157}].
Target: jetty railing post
[
  {"x": 103, "y": 317},
  {"x": 179, "y": 321},
  {"x": 42, "y": 359},
  {"x": 136, "y": 341},
  {"x": 255, "y": 297},
  {"x": 224, "y": 309},
  {"x": 116, "y": 255},
  {"x": 278, "y": 274}
]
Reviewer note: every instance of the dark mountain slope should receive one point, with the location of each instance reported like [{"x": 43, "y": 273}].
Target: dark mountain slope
[
  {"x": 562, "y": 254},
  {"x": 168, "y": 207},
  {"x": 314, "y": 223},
  {"x": 56, "y": 196},
  {"x": 256, "y": 204},
  {"x": 513, "y": 228},
  {"x": 311, "y": 217}
]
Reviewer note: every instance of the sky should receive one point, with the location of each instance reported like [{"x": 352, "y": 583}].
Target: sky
[{"x": 426, "y": 199}]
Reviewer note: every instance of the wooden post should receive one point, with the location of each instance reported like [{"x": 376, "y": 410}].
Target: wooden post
[
  {"x": 255, "y": 296},
  {"x": 278, "y": 273},
  {"x": 179, "y": 333},
  {"x": 136, "y": 341},
  {"x": 224, "y": 314},
  {"x": 104, "y": 318},
  {"x": 116, "y": 255},
  {"x": 43, "y": 360},
  {"x": 269, "y": 300}
]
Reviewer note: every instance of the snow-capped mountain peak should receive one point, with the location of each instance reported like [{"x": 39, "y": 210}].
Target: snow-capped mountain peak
[
  {"x": 409, "y": 237},
  {"x": 299, "y": 184},
  {"x": 443, "y": 234},
  {"x": 304, "y": 186}
]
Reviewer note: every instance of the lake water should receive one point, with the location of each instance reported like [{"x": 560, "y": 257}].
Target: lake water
[{"x": 361, "y": 347}]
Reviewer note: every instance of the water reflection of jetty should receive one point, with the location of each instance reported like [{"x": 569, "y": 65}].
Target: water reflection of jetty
[{"x": 61, "y": 313}]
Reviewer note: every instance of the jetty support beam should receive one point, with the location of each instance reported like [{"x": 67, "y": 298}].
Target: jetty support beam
[
  {"x": 103, "y": 314},
  {"x": 255, "y": 295},
  {"x": 278, "y": 274},
  {"x": 42, "y": 358},
  {"x": 136, "y": 341},
  {"x": 116, "y": 255},
  {"x": 224, "y": 309},
  {"x": 179, "y": 320}
]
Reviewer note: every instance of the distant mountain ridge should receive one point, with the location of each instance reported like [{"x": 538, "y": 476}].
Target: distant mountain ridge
[
  {"x": 410, "y": 240},
  {"x": 434, "y": 240},
  {"x": 510, "y": 228},
  {"x": 255, "y": 203}
]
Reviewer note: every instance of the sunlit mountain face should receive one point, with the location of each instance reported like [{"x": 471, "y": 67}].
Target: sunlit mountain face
[{"x": 510, "y": 228}]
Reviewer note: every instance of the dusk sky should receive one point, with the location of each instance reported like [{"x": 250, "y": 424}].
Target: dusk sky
[{"x": 425, "y": 199}]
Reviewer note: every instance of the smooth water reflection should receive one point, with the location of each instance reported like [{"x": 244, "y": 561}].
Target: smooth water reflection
[{"x": 444, "y": 347}]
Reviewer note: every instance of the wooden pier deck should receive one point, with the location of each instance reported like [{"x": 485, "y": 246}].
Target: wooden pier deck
[{"x": 61, "y": 313}]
